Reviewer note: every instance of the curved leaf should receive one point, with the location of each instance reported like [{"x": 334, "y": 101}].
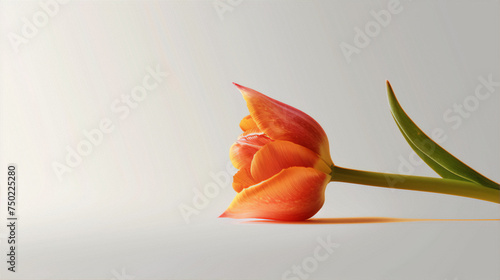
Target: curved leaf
[{"x": 441, "y": 161}]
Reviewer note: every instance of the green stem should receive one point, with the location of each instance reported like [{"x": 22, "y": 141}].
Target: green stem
[{"x": 415, "y": 183}]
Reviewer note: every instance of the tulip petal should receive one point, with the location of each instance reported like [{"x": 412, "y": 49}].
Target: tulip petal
[
  {"x": 241, "y": 153},
  {"x": 247, "y": 123},
  {"x": 279, "y": 155},
  {"x": 283, "y": 122},
  {"x": 243, "y": 179},
  {"x": 294, "y": 194}
]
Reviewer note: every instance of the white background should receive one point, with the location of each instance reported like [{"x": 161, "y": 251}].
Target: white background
[{"x": 117, "y": 213}]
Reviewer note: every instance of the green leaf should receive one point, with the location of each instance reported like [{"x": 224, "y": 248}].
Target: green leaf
[{"x": 444, "y": 163}]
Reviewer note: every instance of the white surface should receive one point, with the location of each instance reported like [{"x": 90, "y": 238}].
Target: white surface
[{"x": 118, "y": 211}]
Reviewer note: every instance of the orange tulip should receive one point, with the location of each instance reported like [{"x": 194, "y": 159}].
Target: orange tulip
[
  {"x": 284, "y": 164},
  {"x": 283, "y": 159}
]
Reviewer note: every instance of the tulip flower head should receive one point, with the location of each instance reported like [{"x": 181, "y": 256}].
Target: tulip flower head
[{"x": 283, "y": 162}]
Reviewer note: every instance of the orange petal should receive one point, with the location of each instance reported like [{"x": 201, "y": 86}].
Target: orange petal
[
  {"x": 247, "y": 123},
  {"x": 283, "y": 122},
  {"x": 243, "y": 179},
  {"x": 294, "y": 194},
  {"x": 279, "y": 155},
  {"x": 241, "y": 152}
]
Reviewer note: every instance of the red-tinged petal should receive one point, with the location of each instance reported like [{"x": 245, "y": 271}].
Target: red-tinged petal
[
  {"x": 248, "y": 123},
  {"x": 283, "y": 122},
  {"x": 294, "y": 194},
  {"x": 243, "y": 179},
  {"x": 279, "y": 155},
  {"x": 241, "y": 152}
]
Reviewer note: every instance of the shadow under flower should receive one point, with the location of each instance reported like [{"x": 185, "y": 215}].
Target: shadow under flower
[{"x": 361, "y": 220}]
